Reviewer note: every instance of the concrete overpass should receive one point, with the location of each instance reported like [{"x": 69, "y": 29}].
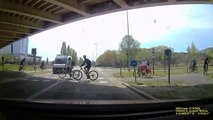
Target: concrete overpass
[{"x": 22, "y": 18}]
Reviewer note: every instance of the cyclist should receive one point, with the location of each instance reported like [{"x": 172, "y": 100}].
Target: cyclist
[
  {"x": 69, "y": 66},
  {"x": 144, "y": 62},
  {"x": 88, "y": 65},
  {"x": 21, "y": 65},
  {"x": 193, "y": 63},
  {"x": 42, "y": 66},
  {"x": 206, "y": 62},
  {"x": 144, "y": 67}
]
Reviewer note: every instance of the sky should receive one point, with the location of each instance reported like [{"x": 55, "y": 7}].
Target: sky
[{"x": 175, "y": 26}]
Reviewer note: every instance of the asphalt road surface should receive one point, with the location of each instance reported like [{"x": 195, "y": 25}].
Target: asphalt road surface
[{"x": 49, "y": 86}]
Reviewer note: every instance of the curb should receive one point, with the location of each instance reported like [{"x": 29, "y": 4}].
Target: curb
[{"x": 140, "y": 92}]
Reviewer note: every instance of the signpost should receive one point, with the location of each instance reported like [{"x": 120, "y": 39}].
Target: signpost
[
  {"x": 168, "y": 54},
  {"x": 2, "y": 60},
  {"x": 153, "y": 59},
  {"x": 134, "y": 63},
  {"x": 34, "y": 57}
]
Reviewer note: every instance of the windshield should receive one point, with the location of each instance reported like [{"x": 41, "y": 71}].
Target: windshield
[
  {"x": 60, "y": 61},
  {"x": 145, "y": 54}
]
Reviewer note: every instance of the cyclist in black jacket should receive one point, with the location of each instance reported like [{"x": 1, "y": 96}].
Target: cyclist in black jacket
[
  {"x": 88, "y": 65},
  {"x": 206, "y": 62}
]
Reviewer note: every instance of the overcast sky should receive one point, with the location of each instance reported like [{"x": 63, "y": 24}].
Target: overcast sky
[{"x": 176, "y": 26}]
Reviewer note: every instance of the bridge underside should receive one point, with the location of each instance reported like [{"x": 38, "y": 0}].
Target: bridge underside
[{"x": 22, "y": 18}]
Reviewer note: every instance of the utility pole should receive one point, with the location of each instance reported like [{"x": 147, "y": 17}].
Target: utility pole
[{"x": 127, "y": 18}]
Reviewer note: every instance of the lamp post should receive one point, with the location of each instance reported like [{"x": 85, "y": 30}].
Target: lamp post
[
  {"x": 96, "y": 51},
  {"x": 153, "y": 59}
]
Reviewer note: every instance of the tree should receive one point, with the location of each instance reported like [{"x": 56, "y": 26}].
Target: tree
[
  {"x": 159, "y": 51},
  {"x": 192, "y": 51},
  {"x": 129, "y": 42},
  {"x": 72, "y": 53},
  {"x": 80, "y": 61},
  {"x": 209, "y": 52},
  {"x": 128, "y": 46},
  {"x": 108, "y": 58},
  {"x": 63, "y": 49},
  {"x": 144, "y": 53},
  {"x": 69, "y": 51}
]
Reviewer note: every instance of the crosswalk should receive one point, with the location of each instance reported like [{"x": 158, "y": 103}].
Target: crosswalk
[{"x": 100, "y": 80}]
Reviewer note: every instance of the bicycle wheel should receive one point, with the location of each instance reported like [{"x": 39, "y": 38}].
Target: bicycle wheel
[
  {"x": 77, "y": 74},
  {"x": 21, "y": 68},
  {"x": 62, "y": 74},
  {"x": 196, "y": 69},
  {"x": 148, "y": 74},
  {"x": 189, "y": 70},
  {"x": 205, "y": 70},
  {"x": 93, "y": 75}
]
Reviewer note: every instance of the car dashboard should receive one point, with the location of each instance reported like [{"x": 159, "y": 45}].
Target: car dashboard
[{"x": 107, "y": 109}]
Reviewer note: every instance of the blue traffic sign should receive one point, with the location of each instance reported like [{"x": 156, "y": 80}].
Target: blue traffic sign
[{"x": 134, "y": 63}]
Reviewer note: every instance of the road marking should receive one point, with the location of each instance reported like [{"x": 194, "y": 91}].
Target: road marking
[
  {"x": 42, "y": 91},
  {"x": 71, "y": 80},
  {"x": 103, "y": 82},
  {"x": 100, "y": 78}
]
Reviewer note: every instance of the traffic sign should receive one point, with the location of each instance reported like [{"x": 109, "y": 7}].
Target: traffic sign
[
  {"x": 134, "y": 63},
  {"x": 168, "y": 52}
]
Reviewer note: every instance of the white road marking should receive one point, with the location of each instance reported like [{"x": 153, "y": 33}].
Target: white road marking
[
  {"x": 103, "y": 82},
  {"x": 100, "y": 78},
  {"x": 42, "y": 91},
  {"x": 71, "y": 80}
]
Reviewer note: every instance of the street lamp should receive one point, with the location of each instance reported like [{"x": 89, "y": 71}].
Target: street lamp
[
  {"x": 153, "y": 58},
  {"x": 96, "y": 51}
]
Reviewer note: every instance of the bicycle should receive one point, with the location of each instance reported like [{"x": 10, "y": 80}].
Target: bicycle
[
  {"x": 191, "y": 69},
  {"x": 145, "y": 72},
  {"x": 205, "y": 69},
  {"x": 93, "y": 75},
  {"x": 74, "y": 73},
  {"x": 21, "y": 68}
]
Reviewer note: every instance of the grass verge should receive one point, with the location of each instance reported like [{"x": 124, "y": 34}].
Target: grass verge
[{"x": 163, "y": 72}]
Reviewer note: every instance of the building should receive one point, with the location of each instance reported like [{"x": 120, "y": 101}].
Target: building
[
  {"x": 19, "y": 50},
  {"x": 20, "y": 46}
]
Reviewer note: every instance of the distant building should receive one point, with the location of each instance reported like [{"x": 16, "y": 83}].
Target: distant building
[
  {"x": 20, "y": 46},
  {"x": 19, "y": 50}
]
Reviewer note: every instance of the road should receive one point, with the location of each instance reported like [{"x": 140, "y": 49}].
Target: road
[{"x": 49, "y": 86}]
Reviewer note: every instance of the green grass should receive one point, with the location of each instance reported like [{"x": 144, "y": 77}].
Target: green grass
[
  {"x": 162, "y": 72},
  {"x": 15, "y": 67},
  {"x": 158, "y": 83}
]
